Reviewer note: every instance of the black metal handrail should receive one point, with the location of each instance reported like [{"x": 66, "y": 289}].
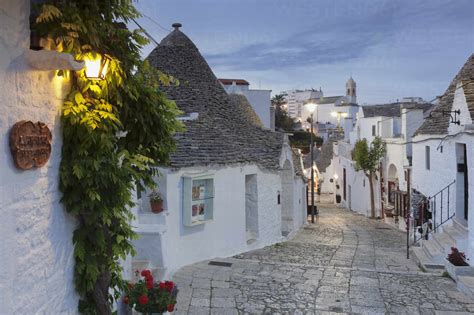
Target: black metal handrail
[{"x": 432, "y": 203}]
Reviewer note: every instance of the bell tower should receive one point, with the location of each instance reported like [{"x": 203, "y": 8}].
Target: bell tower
[{"x": 351, "y": 93}]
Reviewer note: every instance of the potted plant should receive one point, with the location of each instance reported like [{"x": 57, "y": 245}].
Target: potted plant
[
  {"x": 457, "y": 264},
  {"x": 156, "y": 202},
  {"x": 149, "y": 297}
]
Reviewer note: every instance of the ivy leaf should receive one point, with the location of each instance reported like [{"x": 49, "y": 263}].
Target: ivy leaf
[
  {"x": 95, "y": 88},
  {"x": 79, "y": 98},
  {"x": 120, "y": 238},
  {"x": 48, "y": 13}
]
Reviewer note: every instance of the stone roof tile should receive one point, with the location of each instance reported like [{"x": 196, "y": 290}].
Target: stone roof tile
[
  {"x": 219, "y": 136},
  {"x": 393, "y": 109},
  {"x": 438, "y": 123}
]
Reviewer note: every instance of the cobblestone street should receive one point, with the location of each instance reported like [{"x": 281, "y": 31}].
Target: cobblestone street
[{"x": 345, "y": 263}]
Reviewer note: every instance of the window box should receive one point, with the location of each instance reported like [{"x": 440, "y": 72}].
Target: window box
[{"x": 198, "y": 199}]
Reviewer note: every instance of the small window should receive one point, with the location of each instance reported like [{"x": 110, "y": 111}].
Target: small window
[
  {"x": 373, "y": 131},
  {"x": 198, "y": 200},
  {"x": 427, "y": 157}
]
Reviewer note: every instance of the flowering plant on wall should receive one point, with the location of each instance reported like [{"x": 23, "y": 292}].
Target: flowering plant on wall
[
  {"x": 149, "y": 297},
  {"x": 457, "y": 258}
]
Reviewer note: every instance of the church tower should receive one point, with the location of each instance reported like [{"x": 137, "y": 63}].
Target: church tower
[{"x": 351, "y": 94}]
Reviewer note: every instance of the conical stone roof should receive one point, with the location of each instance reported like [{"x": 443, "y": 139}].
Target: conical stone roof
[
  {"x": 220, "y": 135},
  {"x": 438, "y": 123},
  {"x": 243, "y": 108}
]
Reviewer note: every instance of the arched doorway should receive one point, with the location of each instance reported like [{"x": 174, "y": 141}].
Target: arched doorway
[{"x": 286, "y": 198}]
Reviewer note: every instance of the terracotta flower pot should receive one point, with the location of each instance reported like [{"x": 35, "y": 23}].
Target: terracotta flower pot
[{"x": 156, "y": 206}]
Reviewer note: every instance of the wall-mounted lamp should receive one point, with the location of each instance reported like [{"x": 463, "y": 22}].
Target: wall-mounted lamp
[{"x": 96, "y": 66}]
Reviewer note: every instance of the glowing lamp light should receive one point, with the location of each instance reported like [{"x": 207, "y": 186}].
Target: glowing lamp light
[
  {"x": 310, "y": 106},
  {"x": 96, "y": 68}
]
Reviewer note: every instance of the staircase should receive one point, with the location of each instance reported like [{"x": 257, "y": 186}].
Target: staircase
[
  {"x": 433, "y": 252},
  {"x": 444, "y": 232}
]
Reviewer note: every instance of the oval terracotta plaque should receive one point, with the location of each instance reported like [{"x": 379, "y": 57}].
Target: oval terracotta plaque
[{"x": 30, "y": 144}]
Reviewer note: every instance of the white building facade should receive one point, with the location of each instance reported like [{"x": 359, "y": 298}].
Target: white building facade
[
  {"x": 395, "y": 124},
  {"x": 36, "y": 274},
  {"x": 443, "y": 170}
]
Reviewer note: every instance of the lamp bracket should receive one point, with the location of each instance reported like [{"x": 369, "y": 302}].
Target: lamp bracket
[{"x": 453, "y": 115}]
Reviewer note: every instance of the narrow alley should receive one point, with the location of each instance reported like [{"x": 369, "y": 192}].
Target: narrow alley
[{"x": 344, "y": 263}]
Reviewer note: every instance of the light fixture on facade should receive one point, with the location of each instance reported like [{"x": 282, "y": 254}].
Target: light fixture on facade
[
  {"x": 310, "y": 106},
  {"x": 96, "y": 66}
]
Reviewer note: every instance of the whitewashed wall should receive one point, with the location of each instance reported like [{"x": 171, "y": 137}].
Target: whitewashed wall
[
  {"x": 395, "y": 155},
  {"x": 442, "y": 172},
  {"x": 178, "y": 245},
  {"x": 36, "y": 272},
  {"x": 443, "y": 168}
]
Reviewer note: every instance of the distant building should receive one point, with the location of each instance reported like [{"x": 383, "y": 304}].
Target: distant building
[
  {"x": 395, "y": 123},
  {"x": 332, "y": 111},
  {"x": 295, "y": 100},
  {"x": 259, "y": 99}
]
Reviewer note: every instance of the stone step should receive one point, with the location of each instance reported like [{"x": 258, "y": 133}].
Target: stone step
[
  {"x": 428, "y": 263},
  {"x": 457, "y": 231},
  {"x": 459, "y": 225},
  {"x": 431, "y": 248},
  {"x": 444, "y": 241},
  {"x": 466, "y": 285}
]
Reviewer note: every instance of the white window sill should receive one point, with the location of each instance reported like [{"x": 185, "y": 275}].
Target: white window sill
[{"x": 198, "y": 223}]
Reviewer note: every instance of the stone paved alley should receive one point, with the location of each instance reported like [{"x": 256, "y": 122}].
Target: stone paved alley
[{"x": 345, "y": 263}]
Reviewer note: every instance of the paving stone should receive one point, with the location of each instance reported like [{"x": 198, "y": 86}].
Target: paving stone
[
  {"x": 224, "y": 311},
  {"x": 364, "y": 310},
  {"x": 342, "y": 265},
  {"x": 200, "y": 302},
  {"x": 222, "y": 302},
  {"x": 201, "y": 293},
  {"x": 197, "y": 310}
]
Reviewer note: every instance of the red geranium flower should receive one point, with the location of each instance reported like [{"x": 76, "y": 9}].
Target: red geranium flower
[
  {"x": 146, "y": 273},
  {"x": 142, "y": 299},
  {"x": 126, "y": 299},
  {"x": 149, "y": 283},
  {"x": 169, "y": 285},
  {"x": 170, "y": 307},
  {"x": 162, "y": 285}
]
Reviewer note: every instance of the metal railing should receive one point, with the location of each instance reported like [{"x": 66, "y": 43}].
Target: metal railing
[{"x": 433, "y": 212}]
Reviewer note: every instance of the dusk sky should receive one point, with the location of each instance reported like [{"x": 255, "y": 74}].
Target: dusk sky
[{"x": 392, "y": 48}]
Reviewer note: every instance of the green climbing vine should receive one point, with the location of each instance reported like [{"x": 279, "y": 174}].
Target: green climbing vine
[{"x": 115, "y": 131}]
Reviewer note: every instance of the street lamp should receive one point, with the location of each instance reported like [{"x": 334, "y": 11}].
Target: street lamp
[
  {"x": 96, "y": 66},
  {"x": 339, "y": 115},
  {"x": 310, "y": 106}
]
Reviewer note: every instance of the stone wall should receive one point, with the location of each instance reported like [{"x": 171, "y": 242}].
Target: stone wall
[{"x": 36, "y": 274}]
